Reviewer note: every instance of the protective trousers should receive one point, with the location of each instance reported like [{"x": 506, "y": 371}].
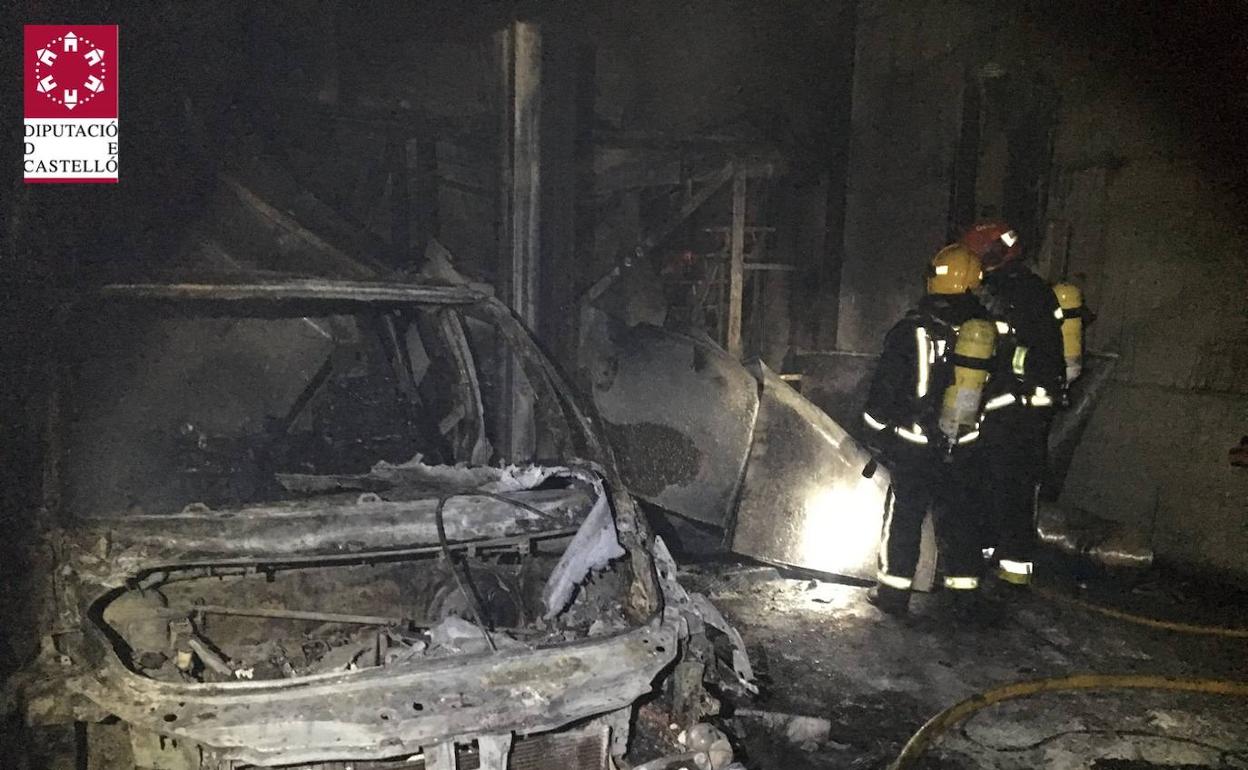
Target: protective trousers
[
  {"x": 920, "y": 484},
  {"x": 1012, "y": 451}
]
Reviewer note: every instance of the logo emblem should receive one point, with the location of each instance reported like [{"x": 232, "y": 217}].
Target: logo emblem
[
  {"x": 70, "y": 78},
  {"x": 71, "y": 70}
]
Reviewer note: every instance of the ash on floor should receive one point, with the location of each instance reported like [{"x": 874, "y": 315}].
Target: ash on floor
[{"x": 863, "y": 682}]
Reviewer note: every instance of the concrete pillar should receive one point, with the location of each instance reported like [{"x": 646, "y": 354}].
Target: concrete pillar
[
  {"x": 519, "y": 264},
  {"x": 906, "y": 121},
  {"x": 540, "y": 136},
  {"x": 519, "y": 48}
]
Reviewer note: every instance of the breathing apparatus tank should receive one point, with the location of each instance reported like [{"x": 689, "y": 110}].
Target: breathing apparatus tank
[
  {"x": 971, "y": 359},
  {"x": 1070, "y": 300}
]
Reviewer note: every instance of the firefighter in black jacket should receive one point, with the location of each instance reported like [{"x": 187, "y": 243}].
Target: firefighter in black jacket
[
  {"x": 1029, "y": 376},
  {"x": 922, "y": 416}
]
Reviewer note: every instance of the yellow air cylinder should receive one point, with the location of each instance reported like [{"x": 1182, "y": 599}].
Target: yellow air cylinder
[
  {"x": 960, "y": 410},
  {"x": 1070, "y": 299}
]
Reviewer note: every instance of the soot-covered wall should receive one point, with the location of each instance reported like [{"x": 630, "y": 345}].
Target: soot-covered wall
[{"x": 1136, "y": 202}]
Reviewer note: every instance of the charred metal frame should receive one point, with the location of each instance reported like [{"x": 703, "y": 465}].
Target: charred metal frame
[{"x": 368, "y": 714}]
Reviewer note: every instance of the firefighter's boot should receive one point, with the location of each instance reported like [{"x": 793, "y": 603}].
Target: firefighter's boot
[{"x": 893, "y": 601}]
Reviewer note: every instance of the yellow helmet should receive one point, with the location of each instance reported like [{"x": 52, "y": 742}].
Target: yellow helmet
[{"x": 954, "y": 270}]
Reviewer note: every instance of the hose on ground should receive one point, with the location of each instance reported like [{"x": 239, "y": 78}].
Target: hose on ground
[
  {"x": 937, "y": 725},
  {"x": 958, "y": 712},
  {"x": 1165, "y": 625}
]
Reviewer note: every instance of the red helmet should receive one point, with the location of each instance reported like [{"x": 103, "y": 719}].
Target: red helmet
[{"x": 994, "y": 241}]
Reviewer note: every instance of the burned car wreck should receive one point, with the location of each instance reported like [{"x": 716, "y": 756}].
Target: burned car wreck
[{"x": 298, "y": 522}]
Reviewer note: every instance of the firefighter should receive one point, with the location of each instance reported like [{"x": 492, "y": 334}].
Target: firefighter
[
  {"x": 1030, "y": 374},
  {"x": 922, "y": 416}
]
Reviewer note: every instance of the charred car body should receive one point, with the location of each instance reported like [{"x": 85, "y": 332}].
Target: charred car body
[
  {"x": 302, "y": 522},
  {"x": 774, "y": 476},
  {"x": 734, "y": 447}
]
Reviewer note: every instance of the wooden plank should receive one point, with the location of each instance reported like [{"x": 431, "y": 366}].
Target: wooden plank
[
  {"x": 736, "y": 273},
  {"x": 316, "y": 251},
  {"x": 693, "y": 204}
]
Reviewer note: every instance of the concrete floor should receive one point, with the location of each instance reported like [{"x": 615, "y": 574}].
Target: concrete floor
[
  {"x": 822, "y": 651},
  {"x": 825, "y": 652}
]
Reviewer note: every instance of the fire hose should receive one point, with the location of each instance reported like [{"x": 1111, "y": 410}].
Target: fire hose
[
  {"x": 958, "y": 712},
  {"x": 943, "y": 721},
  {"x": 1141, "y": 620}
]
